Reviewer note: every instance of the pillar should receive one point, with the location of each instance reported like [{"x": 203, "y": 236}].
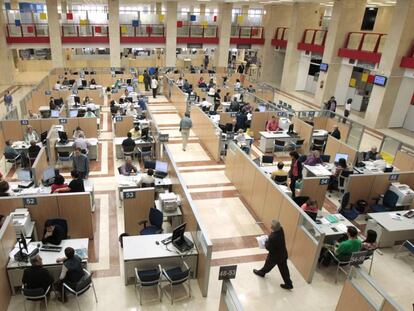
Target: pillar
[
  {"x": 304, "y": 16},
  {"x": 224, "y": 27},
  {"x": 64, "y": 6},
  {"x": 14, "y": 5},
  {"x": 383, "y": 100},
  {"x": 54, "y": 34},
  {"x": 114, "y": 33},
  {"x": 158, "y": 8},
  {"x": 6, "y": 63},
  {"x": 202, "y": 9},
  {"x": 171, "y": 33},
  {"x": 346, "y": 17}
]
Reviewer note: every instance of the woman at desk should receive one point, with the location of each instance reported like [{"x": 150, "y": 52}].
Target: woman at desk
[
  {"x": 86, "y": 100},
  {"x": 340, "y": 167},
  {"x": 77, "y": 132},
  {"x": 135, "y": 132},
  {"x": 310, "y": 207},
  {"x": 58, "y": 183},
  {"x": 30, "y": 135},
  {"x": 313, "y": 159},
  {"x": 272, "y": 125}
]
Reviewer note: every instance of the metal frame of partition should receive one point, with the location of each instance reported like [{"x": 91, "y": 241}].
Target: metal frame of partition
[{"x": 228, "y": 298}]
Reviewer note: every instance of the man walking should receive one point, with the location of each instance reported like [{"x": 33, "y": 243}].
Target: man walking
[
  {"x": 185, "y": 125},
  {"x": 147, "y": 80},
  {"x": 278, "y": 255},
  {"x": 8, "y": 101},
  {"x": 80, "y": 163},
  {"x": 154, "y": 86}
]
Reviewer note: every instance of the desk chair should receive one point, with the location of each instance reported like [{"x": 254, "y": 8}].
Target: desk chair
[
  {"x": 81, "y": 287},
  {"x": 280, "y": 146},
  {"x": 343, "y": 180},
  {"x": 176, "y": 276},
  {"x": 148, "y": 278},
  {"x": 312, "y": 215},
  {"x": 389, "y": 202},
  {"x": 35, "y": 294},
  {"x": 15, "y": 161},
  {"x": 144, "y": 185},
  {"x": 281, "y": 180},
  {"x": 300, "y": 200},
  {"x": 299, "y": 144},
  {"x": 356, "y": 259},
  {"x": 63, "y": 157},
  {"x": 156, "y": 219},
  {"x": 318, "y": 144},
  {"x": 347, "y": 210}
]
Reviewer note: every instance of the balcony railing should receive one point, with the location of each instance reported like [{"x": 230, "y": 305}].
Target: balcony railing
[
  {"x": 144, "y": 33},
  {"x": 408, "y": 61},
  {"x": 197, "y": 34},
  {"x": 27, "y": 33},
  {"x": 247, "y": 35},
  {"x": 281, "y": 37},
  {"x": 76, "y": 33},
  {"x": 313, "y": 40},
  {"x": 365, "y": 46}
]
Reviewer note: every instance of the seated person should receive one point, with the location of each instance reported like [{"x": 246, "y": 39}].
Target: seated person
[
  {"x": 310, "y": 207},
  {"x": 241, "y": 141},
  {"x": 128, "y": 168},
  {"x": 135, "y": 132},
  {"x": 180, "y": 82},
  {"x": 334, "y": 178},
  {"x": 335, "y": 132},
  {"x": 72, "y": 271},
  {"x": 58, "y": 183},
  {"x": 251, "y": 89},
  {"x": 186, "y": 85},
  {"x": 148, "y": 178},
  {"x": 52, "y": 105},
  {"x": 33, "y": 150},
  {"x": 114, "y": 107},
  {"x": 82, "y": 143},
  {"x": 227, "y": 98},
  {"x": 202, "y": 84},
  {"x": 247, "y": 108},
  {"x": 92, "y": 82},
  {"x": 30, "y": 135},
  {"x": 86, "y": 100},
  {"x": 280, "y": 171},
  {"x": 53, "y": 234},
  {"x": 372, "y": 155},
  {"x": 77, "y": 132},
  {"x": 370, "y": 243},
  {"x": 89, "y": 114},
  {"x": 35, "y": 276},
  {"x": 11, "y": 153},
  {"x": 237, "y": 85},
  {"x": 4, "y": 188},
  {"x": 205, "y": 105},
  {"x": 131, "y": 111},
  {"x": 313, "y": 159},
  {"x": 76, "y": 185},
  {"x": 272, "y": 125},
  {"x": 234, "y": 105},
  {"x": 57, "y": 86}
]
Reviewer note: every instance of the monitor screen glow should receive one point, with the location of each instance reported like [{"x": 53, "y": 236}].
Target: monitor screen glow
[
  {"x": 49, "y": 173},
  {"x": 161, "y": 166},
  {"x": 323, "y": 67},
  {"x": 341, "y": 156},
  {"x": 24, "y": 175},
  {"x": 54, "y": 114},
  {"x": 380, "y": 80}
]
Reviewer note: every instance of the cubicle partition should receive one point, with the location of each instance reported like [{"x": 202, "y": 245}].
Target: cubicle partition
[
  {"x": 136, "y": 203},
  {"x": 404, "y": 161},
  {"x": 122, "y": 125},
  {"x": 7, "y": 242},
  {"x": 325, "y": 123},
  {"x": 74, "y": 207},
  {"x": 39, "y": 165},
  {"x": 315, "y": 188},
  {"x": 259, "y": 120},
  {"x": 304, "y": 131},
  {"x": 267, "y": 201},
  {"x": 334, "y": 146}
]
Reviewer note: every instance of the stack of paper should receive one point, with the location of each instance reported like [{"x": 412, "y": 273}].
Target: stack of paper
[{"x": 261, "y": 240}]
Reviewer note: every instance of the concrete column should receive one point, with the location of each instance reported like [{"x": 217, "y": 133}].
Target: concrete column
[
  {"x": 54, "y": 34},
  {"x": 398, "y": 43},
  {"x": 202, "y": 9},
  {"x": 158, "y": 8},
  {"x": 14, "y": 5},
  {"x": 245, "y": 10},
  {"x": 171, "y": 33},
  {"x": 346, "y": 17},
  {"x": 224, "y": 28},
  {"x": 114, "y": 33},
  {"x": 6, "y": 63},
  {"x": 304, "y": 16},
  {"x": 64, "y": 6}
]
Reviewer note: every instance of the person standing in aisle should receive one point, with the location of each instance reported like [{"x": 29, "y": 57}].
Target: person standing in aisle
[
  {"x": 154, "y": 87},
  {"x": 278, "y": 255},
  {"x": 147, "y": 80},
  {"x": 347, "y": 110},
  {"x": 8, "y": 101},
  {"x": 185, "y": 126}
]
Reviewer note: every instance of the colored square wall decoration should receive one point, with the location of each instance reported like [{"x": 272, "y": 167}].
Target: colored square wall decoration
[
  {"x": 43, "y": 16},
  {"x": 17, "y": 22}
]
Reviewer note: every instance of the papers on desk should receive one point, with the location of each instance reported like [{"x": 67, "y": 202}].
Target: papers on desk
[
  {"x": 395, "y": 216},
  {"x": 261, "y": 241},
  {"x": 14, "y": 251},
  {"x": 82, "y": 253}
]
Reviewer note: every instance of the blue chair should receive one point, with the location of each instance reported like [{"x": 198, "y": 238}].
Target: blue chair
[
  {"x": 388, "y": 203},
  {"x": 156, "y": 219},
  {"x": 408, "y": 246},
  {"x": 350, "y": 212},
  {"x": 148, "y": 278},
  {"x": 176, "y": 276}
]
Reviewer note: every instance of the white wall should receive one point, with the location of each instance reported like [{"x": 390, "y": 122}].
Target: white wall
[
  {"x": 303, "y": 69},
  {"x": 402, "y": 104},
  {"x": 279, "y": 62},
  {"x": 341, "y": 91}
]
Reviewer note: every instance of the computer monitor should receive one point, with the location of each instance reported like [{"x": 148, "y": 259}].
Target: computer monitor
[
  {"x": 130, "y": 88},
  {"x": 24, "y": 175},
  {"x": 63, "y": 136},
  {"x": 43, "y": 136},
  {"x": 145, "y": 133},
  {"x": 291, "y": 128},
  {"x": 54, "y": 113},
  {"x": 161, "y": 166},
  {"x": 267, "y": 159},
  {"x": 341, "y": 156},
  {"x": 128, "y": 99},
  {"x": 73, "y": 113},
  {"x": 178, "y": 232},
  {"x": 261, "y": 108},
  {"x": 49, "y": 173},
  {"x": 149, "y": 164}
]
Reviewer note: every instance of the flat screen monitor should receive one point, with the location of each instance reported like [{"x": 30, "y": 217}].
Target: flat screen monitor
[
  {"x": 323, "y": 67},
  {"x": 63, "y": 136},
  {"x": 262, "y": 108},
  {"x": 145, "y": 132},
  {"x": 267, "y": 159},
  {"x": 178, "y": 232},
  {"x": 291, "y": 128},
  {"x": 130, "y": 88},
  {"x": 380, "y": 80},
  {"x": 128, "y": 99},
  {"x": 54, "y": 113},
  {"x": 161, "y": 166},
  {"x": 43, "y": 136},
  {"x": 48, "y": 173},
  {"x": 24, "y": 175},
  {"x": 341, "y": 156},
  {"x": 73, "y": 113},
  {"x": 149, "y": 164}
]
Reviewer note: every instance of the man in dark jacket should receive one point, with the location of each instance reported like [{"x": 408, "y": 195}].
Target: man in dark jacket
[
  {"x": 72, "y": 270},
  {"x": 147, "y": 80},
  {"x": 53, "y": 234},
  {"x": 277, "y": 255},
  {"x": 36, "y": 276},
  {"x": 335, "y": 132}
]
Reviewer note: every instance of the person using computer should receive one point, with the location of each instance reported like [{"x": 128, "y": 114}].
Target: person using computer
[
  {"x": 78, "y": 132},
  {"x": 82, "y": 143},
  {"x": 272, "y": 124},
  {"x": 58, "y": 183},
  {"x": 185, "y": 126},
  {"x": 57, "y": 86},
  {"x": 251, "y": 89},
  {"x": 76, "y": 184},
  {"x": 80, "y": 163},
  {"x": 30, "y": 135},
  {"x": 148, "y": 178},
  {"x": 340, "y": 167},
  {"x": 36, "y": 276},
  {"x": 310, "y": 207},
  {"x": 372, "y": 155},
  {"x": 295, "y": 172},
  {"x": 128, "y": 168},
  {"x": 4, "y": 188},
  {"x": 135, "y": 132},
  {"x": 280, "y": 171},
  {"x": 53, "y": 233},
  {"x": 11, "y": 153},
  {"x": 313, "y": 159},
  {"x": 335, "y": 132},
  {"x": 72, "y": 271},
  {"x": 131, "y": 112}
]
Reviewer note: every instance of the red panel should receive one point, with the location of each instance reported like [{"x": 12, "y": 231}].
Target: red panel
[
  {"x": 316, "y": 48},
  {"x": 12, "y": 40},
  {"x": 281, "y": 43},
  {"x": 179, "y": 24},
  {"x": 143, "y": 40},
  {"x": 407, "y": 62},
  {"x": 149, "y": 29},
  {"x": 98, "y": 29},
  {"x": 371, "y": 79},
  {"x": 85, "y": 40},
  {"x": 69, "y": 16},
  {"x": 197, "y": 40},
  {"x": 30, "y": 29},
  {"x": 360, "y": 55},
  {"x": 255, "y": 32},
  {"x": 247, "y": 41}
]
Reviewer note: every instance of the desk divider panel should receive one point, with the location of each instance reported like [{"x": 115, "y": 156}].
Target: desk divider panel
[
  {"x": 123, "y": 127},
  {"x": 259, "y": 190},
  {"x": 289, "y": 219},
  {"x": 43, "y": 208},
  {"x": 404, "y": 161},
  {"x": 305, "y": 131},
  {"x": 51, "y": 139},
  {"x": 137, "y": 203},
  {"x": 360, "y": 185},
  {"x": 230, "y": 164},
  {"x": 258, "y": 123},
  {"x": 46, "y": 124},
  {"x": 352, "y": 299},
  {"x": 39, "y": 165},
  {"x": 272, "y": 205},
  {"x": 248, "y": 180},
  {"x": 313, "y": 188},
  {"x": 12, "y": 129},
  {"x": 227, "y": 117},
  {"x": 334, "y": 146},
  {"x": 9, "y": 204},
  {"x": 90, "y": 126},
  {"x": 7, "y": 241},
  {"x": 70, "y": 126},
  {"x": 343, "y": 128}
]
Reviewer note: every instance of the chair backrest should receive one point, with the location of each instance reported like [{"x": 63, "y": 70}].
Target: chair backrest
[
  {"x": 302, "y": 158},
  {"x": 146, "y": 149},
  {"x": 9, "y": 156},
  {"x": 312, "y": 215},
  {"x": 145, "y": 185},
  {"x": 60, "y": 222},
  {"x": 345, "y": 200},
  {"x": 299, "y": 142},
  {"x": 358, "y": 258},
  {"x": 390, "y": 199},
  {"x": 178, "y": 275},
  {"x": 149, "y": 276},
  {"x": 84, "y": 283},
  {"x": 32, "y": 292},
  {"x": 300, "y": 200},
  {"x": 318, "y": 142},
  {"x": 119, "y": 169},
  {"x": 409, "y": 246},
  {"x": 281, "y": 179},
  {"x": 280, "y": 143},
  {"x": 156, "y": 217},
  {"x": 325, "y": 158},
  {"x": 128, "y": 148}
]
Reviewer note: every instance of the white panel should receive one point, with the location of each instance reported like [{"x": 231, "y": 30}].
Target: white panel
[{"x": 402, "y": 104}]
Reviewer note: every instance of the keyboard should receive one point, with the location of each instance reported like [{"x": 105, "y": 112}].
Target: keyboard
[{"x": 50, "y": 248}]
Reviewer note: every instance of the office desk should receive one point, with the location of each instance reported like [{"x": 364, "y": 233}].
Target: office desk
[
  {"x": 138, "y": 143},
  {"x": 371, "y": 168},
  {"x": 133, "y": 181},
  {"x": 142, "y": 252},
  {"x": 174, "y": 217},
  {"x": 334, "y": 231},
  {"x": 22, "y": 146},
  {"x": 391, "y": 228},
  {"x": 317, "y": 170},
  {"x": 15, "y": 269},
  {"x": 93, "y": 153}
]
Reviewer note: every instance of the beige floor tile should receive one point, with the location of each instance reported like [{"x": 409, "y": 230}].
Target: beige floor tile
[
  {"x": 167, "y": 118},
  {"x": 204, "y": 178},
  {"x": 194, "y": 152}
]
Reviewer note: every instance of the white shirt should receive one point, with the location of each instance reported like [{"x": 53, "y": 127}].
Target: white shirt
[
  {"x": 180, "y": 82},
  {"x": 154, "y": 84},
  {"x": 205, "y": 104},
  {"x": 146, "y": 179},
  {"x": 82, "y": 143},
  {"x": 57, "y": 86},
  {"x": 237, "y": 85},
  {"x": 211, "y": 91},
  {"x": 348, "y": 106},
  {"x": 241, "y": 139}
]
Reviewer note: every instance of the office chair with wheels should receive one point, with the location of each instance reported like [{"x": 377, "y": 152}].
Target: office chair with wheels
[
  {"x": 325, "y": 158},
  {"x": 60, "y": 222},
  {"x": 148, "y": 278},
  {"x": 63, "y": 157},
  {"x": 280, "y": 180},
  {"x": 81, "y": 287},
  {"x": 389, "y": 202},
  {"x": 176, "y": 276},
  {"x": 15, "y": 161},
  {"x": 156, "y": 219},
  {"x": 347, "y": 210},
  {"x": 318, "y": 144},
  {"x": 35, "y": 294}
]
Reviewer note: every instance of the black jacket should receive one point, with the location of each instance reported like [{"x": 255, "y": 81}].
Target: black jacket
[
  {"x": 36, "y": 277},
  {"x": 57, "y": 236},
  {"x": 128, "y": 144},
  {"x": 336, "y": 134},
  {"x": 276, "y": 246}
]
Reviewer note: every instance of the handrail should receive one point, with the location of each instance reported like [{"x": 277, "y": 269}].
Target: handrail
[
  {"x": 253, "y": 32},
  {"x": 280, "y": 33},
  {"x": 203, "y": 34},
  {"x": 24, "y": 30},
  {"x": 148, "y": 30},
  {"x": 91, "y": 27},
  {"x": 315, "y": 31},
  {"x": 361, "y": 43}
]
